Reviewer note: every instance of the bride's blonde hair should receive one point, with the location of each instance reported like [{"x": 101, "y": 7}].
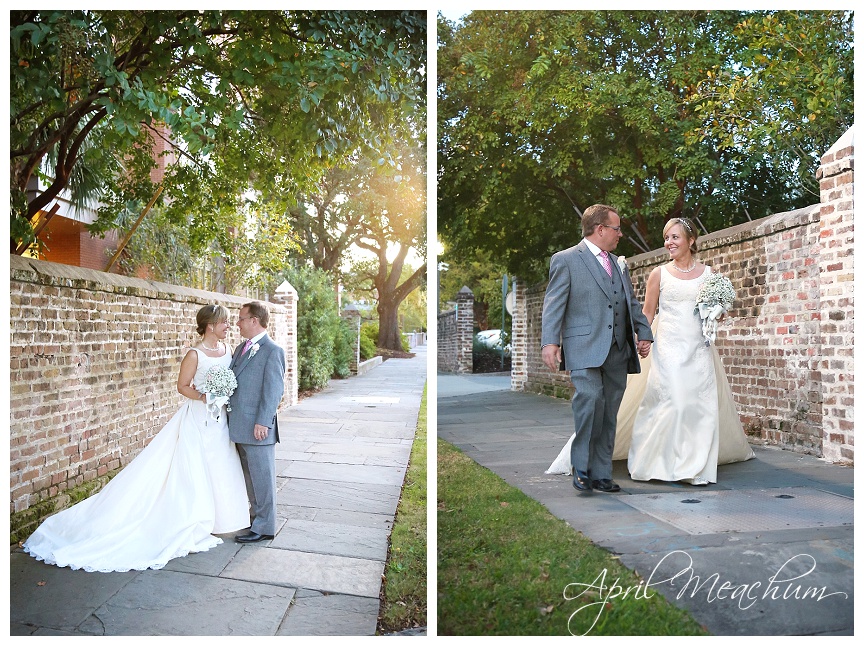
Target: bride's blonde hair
[
  {"x": 210, "y": 314},
  {"x": 689, "y": 231}
]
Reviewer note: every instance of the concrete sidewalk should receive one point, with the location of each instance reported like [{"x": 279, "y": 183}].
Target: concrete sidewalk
[
  {"x": 340, "y": 467},
  {"x": 777, "y": 528}
]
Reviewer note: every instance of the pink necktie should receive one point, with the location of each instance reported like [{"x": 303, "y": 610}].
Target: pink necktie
[
  {"x": 604, "y": 260},
  {"x": 246, "y": 347}
]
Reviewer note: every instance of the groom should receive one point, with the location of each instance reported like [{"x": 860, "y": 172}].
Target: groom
[
  {"x": 590, "y": 304},
  {"x": 259, "y": 365}
]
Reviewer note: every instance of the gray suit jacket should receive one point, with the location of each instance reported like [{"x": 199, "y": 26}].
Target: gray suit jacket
[
  {"x": 577, "y": 312},
  {"x": 260, "y": 386}
]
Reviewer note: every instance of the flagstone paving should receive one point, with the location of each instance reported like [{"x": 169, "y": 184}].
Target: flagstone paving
[
  {"x": 340, "y": 468},
  {"x": 777, "y": 529}
]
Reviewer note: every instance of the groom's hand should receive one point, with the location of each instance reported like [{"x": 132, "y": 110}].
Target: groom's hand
[
  {"x": 260, "y": 432},
  {"x": 552, "y": 356},
  {"x": 644, "y": 347}
]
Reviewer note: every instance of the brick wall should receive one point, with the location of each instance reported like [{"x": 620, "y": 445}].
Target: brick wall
[
  {"x": 456, "y": 335},
  {"x": 94, "y": 359},
  {"x": 788, "y": 343},
  {"x": 836, "y": 283}
]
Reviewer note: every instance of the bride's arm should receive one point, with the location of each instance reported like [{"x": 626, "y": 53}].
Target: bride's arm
[
  {"x": 187, "y": 372},
  {"x": 652, "y": 295}
]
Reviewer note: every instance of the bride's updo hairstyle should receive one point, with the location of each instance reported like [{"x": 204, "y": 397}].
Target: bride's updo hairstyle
[
  {"x": 210, "y": 314},
  {"x": 689, "y": 231}
]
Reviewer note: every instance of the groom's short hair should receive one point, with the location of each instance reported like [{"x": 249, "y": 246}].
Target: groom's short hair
[
  {"x": 260, "y": 312},
  {"x": 594, "y": 215}
]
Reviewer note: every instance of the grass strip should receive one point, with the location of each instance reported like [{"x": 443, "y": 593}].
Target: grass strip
[
  {"x": 504, "y": 563},
  {"x": 403, "y": 595}
]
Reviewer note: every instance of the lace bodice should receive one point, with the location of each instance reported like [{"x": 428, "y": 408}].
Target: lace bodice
[
  {"x": 678, "y": 300},
  {"x": 206, "y": 362}
]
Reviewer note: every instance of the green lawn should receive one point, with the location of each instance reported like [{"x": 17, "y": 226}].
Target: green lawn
[
  {"x": 403, "y": 597},
  {"x": 504, "y": 564}
]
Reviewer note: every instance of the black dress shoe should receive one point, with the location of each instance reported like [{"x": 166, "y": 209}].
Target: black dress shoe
[
  {"x": 252, "y": 537},
  {"x": 606, "y": 485},
  {"x": 581, "y": 481}
]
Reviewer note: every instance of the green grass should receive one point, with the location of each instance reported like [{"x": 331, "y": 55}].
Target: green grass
[
  {"x": 504, "y": 562},
  {"x": 403, "y": 596}
]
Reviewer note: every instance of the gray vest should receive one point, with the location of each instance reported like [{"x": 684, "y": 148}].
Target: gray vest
[{"x": 619, "y": 309}]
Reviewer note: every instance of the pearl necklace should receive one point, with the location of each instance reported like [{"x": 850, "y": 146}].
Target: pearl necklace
[
  {"x": 216, "y": 349},
  {"x": 685, "y": 271}
]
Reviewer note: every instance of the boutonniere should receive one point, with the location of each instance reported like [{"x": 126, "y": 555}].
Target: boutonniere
[
  {"x": 253, "y": 350},
  {"x": 622, "y": 264}
]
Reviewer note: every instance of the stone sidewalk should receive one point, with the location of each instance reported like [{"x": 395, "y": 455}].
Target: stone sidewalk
[
  {"x": 340, "y": 467},
  {"x": 777, "y": 528}
]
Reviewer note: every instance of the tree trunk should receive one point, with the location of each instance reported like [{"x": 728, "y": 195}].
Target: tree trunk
[
  {"x": 389, "y": 299},
  {"x": 389, "y": 334}
]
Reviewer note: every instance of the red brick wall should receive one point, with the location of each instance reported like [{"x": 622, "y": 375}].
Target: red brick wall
[
  {"x": 788, "y": 343},
  {"x": 93, "y": 369}
]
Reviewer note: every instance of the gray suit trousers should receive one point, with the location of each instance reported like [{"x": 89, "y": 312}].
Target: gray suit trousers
[
  {"x": 595, "y": 413},
  {"x": 259, "y": 469}
]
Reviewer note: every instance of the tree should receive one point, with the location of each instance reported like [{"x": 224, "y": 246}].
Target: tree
[
  {"x": 542, "y": 114},
  {"x": 89, "y": 90},
  {"x": 395, "y": 218},
  {"x": 790, "y": 91},
  {"x": 377, "y": 204},
  {"x": 324, "y": 218}
]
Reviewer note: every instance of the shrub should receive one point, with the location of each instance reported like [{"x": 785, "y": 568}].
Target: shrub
[
  {"x": 318, "y": 326},
  {"x": 343, "y": 349},
  {"x": 368, "y": 341}
]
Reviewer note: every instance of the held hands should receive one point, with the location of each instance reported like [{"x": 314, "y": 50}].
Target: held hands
[
  {"x": 260, "y": 432},
  {"x": 643, "y": 347},
  {"x": 552, "y": 357}
]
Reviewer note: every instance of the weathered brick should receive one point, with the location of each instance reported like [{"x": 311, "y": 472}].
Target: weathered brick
[
  {"x": 784, "y": 323},
  {"x": 94, "y": 370}
]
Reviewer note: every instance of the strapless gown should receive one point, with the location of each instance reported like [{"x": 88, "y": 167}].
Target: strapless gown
[
  {"x": 677, "y": 419},
  {"x": 185, "y": 486}
]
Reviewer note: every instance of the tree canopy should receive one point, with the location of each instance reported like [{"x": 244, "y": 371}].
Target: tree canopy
[
  {"x": 720, "y": 116},
  {"x": 92, "y": 90}
]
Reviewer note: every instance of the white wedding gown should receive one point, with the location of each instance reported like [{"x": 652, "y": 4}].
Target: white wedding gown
[
  {"x": 186, "y": 485},
  {"x": 677, "y": 419}
]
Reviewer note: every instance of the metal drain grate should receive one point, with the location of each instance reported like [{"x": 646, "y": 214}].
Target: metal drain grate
[{"x": 746, "y": 511}]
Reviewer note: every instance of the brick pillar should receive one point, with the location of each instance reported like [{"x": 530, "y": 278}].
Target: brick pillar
[
  {"x": 352, "y": 317},
  {"x": 465, "y": 331},
  {"x": 286, "y": 295},
  {"x": 836, "y": 287},
  {"x": 519, "y": 341}
]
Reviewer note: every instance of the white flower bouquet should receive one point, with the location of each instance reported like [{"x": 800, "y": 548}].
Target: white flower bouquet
[
  {"x": 715, "y": 298},
  {"x": 219, "y": 384}
]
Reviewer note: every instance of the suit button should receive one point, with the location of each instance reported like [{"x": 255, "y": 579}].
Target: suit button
[
  {"x": 610, "y": 327},
  {"x": 610, "y": 307}
]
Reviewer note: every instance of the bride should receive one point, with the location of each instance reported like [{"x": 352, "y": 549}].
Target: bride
[
  {"x": 677, "y": 420},
  {"x": 186, "y": 485}
]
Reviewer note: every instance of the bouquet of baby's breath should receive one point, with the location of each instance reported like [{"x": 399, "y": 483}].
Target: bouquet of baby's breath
[
  {"x": 715, "y": 297},
  {"x": 219, "y": 384}
]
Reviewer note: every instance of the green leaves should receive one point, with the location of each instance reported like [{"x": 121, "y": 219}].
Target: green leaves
[
  {"x": 658, "y": 113},
  {"x": 205, "y": 73}
]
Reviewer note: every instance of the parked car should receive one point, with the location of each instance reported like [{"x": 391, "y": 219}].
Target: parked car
[{"x": 492, "y": 339}]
